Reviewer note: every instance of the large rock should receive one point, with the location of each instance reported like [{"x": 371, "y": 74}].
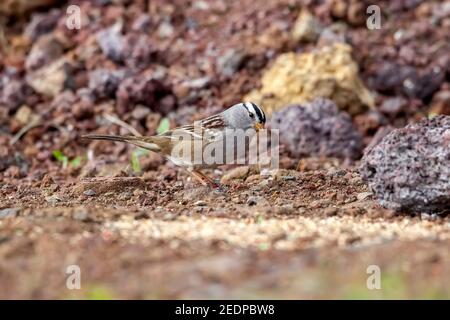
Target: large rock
[
  {"x": 409, "y": 170},
  {"x": 317, "y": 129},
  {"x": 327, "y": 73}
]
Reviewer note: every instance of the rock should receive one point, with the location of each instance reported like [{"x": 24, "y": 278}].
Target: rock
[
  {"x": 306, "y": 28},
  {"x": 25, "y": 115},
  {"x": 9, "y": 212},
  {"x": 253, "y": 200},
  {"x": 236, "y": 173},
  {"x": 144, "y": 90},
  {"x": 103, "y": 83},
  {"x": 298, "y": 78},
  {"x": 363, "y": 195},
  {"x": 51, "y": 79},
  {"x": 409, "y": 170},
  {"x": 140, "y": 112},
  {"x": 20, "y": 7},
  {"x": 317, "y": 129},
  {"x": 45, "y": 50},
  {"x": 53, "y": 200},
  {"x": 393, "y": 106},
  {"x": 140, "y": 51},
  {"x": 142, "y": 23},
  {"x": 89, "y": 193},
  {"x": 229, "y": 62},
  {"x": 440, "y": 103},
  {"x": 391, "y": 78},
  {"x": 81, "y": 214},
  {"x": 165, "y": 30},
  {"x": 42, "y": 23},
  {"x": 353, "y": 11},
  {"x": 112, "y": 42},
  {"x": 13, "y": 94}
]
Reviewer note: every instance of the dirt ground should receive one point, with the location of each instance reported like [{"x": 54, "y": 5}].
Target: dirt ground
[
  {"x": 309, "y": 230},
  {"x": 310, "y": 234}
]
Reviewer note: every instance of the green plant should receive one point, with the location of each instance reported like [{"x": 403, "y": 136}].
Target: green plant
[
  {"x": 61, "y": 157},
  {"x": 135, "y": 155},
  {"x": 163, "y": 126}
]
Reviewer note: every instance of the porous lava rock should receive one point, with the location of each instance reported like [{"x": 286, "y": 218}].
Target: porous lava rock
[
  {"x": 409, "y": 170},
  {"x": 317, "y": 128}
]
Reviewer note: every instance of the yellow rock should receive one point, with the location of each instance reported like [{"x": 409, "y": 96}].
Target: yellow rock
[{"x": 329, "y": 72}]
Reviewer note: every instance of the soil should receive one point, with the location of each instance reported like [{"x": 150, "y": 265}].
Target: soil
[{"x": 309, "y": 230}]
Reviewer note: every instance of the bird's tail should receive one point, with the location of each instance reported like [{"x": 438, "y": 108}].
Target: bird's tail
[{"x": 143, "y": 142}]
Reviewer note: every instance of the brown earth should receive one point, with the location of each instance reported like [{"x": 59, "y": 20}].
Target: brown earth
[{"x": 309, "y": 234}]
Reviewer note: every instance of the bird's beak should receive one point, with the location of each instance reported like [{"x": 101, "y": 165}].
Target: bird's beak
[{"x": 259, "y": 126}]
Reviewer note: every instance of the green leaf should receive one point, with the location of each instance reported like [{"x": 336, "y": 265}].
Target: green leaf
[
  {"x": 163, "y": 126},
  {"x": 75, "y": 162},
  {"x": 58, "y": 155},
  {"x": 61, "y": 158},
  {"x": 135, "y": 155},
  {"x": 135, "y": 164}
]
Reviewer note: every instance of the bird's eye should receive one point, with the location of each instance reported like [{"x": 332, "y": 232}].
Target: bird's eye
[{"x": 251, "y": 115}]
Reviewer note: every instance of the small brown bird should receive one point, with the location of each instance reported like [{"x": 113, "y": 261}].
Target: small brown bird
[{"x": 202, "y": 145}]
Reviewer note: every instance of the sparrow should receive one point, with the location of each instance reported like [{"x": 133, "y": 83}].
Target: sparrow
[{"x": 187, "y": 146}]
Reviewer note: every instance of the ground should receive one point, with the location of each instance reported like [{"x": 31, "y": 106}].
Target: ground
[{"x": 310, "y": 234}]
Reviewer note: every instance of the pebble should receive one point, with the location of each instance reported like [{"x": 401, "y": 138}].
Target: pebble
[
  {"x": 81, "y": 215},
  {"x": 89, "y": 193},
  {"x": 363, "y": 195},
  {"x": 9, "y": 212}
]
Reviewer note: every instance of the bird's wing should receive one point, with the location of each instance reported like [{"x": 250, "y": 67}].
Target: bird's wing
[{"x": 195, "y": 132}]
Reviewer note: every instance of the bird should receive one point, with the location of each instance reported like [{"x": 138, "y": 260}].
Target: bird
[{"x": 187, "y": 145}]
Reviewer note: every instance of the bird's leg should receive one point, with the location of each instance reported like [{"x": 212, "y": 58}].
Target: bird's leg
[{"x": 205, "y": 180}]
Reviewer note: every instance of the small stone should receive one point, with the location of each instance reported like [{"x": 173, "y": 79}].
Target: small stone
[
  {"x": 363, "y": 195},
  {"x": 51, "y": 79},
  {"x": 140, "y": 112},
  {"x": 103, "y": 83},
  {"x": 142, "y": 23},
  {"x": 229, "y": 62},
  {"x": 81, "y": 215},
  {"x": 330, "y": 211},
  {"x": 9, "y": 212},
  {"x": 284, "y": 209},
  {"x": 13, "y": 94},
  {"x": 306, "y": 27},
  {"x": 200, "y": 203},
  {"x": 236, "y": 173},
  {"x": 112, "y": 42},
  {"x": 54, "y": 199},
  {"x": 24, "y": 115},
  {"x": 42, "y": 23},
  {"x": 45, "y": 50},
  {"x": 253, "y": 200},
  {"x": 89, "y": 193},
  {"x": 165, "y": 30}
]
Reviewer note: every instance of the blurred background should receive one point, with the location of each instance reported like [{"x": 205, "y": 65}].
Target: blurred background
[{"x": 63, "y": 68}]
